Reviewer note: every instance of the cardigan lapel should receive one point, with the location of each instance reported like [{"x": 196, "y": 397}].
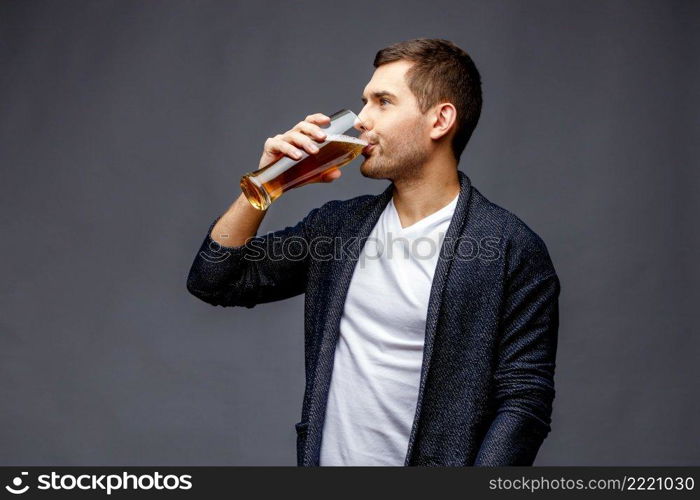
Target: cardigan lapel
[
  {"x": 342, "y": 270},
  {"x": 442, "y": 269}
]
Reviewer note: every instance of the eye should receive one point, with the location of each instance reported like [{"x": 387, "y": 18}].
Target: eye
[{"x": 384, "y": 100}]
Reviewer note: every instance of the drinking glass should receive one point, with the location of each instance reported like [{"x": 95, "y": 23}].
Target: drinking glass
[{"x": 266, "y": 184}]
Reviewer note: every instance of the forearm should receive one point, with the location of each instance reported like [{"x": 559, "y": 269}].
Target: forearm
[
  {"x": 246, "y": 273},
  {"x": 240, "y": 222},
  {"x": 523, "y": 389},
  {"x": 513, "y": 439},
  {"x": 218, "y": 273},
  {"x": 523, "y": 416}
]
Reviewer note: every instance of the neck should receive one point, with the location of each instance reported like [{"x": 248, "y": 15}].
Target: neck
[{"x": 418, "y": 197}]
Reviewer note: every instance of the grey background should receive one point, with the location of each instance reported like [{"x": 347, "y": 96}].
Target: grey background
[{"x": 125, "y": 126}]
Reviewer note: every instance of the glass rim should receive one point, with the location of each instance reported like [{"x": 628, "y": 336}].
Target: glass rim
[{"x": 344, "y": 111}]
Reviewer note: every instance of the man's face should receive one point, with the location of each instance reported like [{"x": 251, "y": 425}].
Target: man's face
[{"x": 394, "y": 124}]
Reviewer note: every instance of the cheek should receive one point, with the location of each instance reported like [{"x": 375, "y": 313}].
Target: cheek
[
  {"x": 407, "y": 136},
  {"x": 400, "y": 133}
]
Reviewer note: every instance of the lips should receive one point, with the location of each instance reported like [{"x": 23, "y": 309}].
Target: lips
[{"x": 368, "y": 149}]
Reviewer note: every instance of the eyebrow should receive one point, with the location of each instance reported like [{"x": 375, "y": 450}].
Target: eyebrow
[{"x": 379, "y": 94}]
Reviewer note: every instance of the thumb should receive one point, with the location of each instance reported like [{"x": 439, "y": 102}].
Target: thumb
[{"x": 331, "y": 175}]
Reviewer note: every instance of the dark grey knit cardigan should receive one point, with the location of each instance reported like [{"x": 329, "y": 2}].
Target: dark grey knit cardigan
[{"x": 487, "y": 381}]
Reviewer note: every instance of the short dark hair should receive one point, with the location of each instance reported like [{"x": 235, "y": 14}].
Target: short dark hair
[{"x": 442, "y": 72}]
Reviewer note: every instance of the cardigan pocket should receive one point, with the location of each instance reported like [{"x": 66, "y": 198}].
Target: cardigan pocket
[{"x": 301, "y": 429}]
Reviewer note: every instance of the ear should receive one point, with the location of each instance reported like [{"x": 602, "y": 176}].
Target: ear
[{"x": 444, "y": 117}]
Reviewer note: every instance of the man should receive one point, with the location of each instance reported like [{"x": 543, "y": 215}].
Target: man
[{"x": 444, "y": 357}]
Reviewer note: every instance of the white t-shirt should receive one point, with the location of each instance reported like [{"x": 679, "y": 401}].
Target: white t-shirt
[{"x": 377, "y": 364}]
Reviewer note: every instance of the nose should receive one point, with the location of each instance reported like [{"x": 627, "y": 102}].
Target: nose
[{"x": 361, "y": 123}]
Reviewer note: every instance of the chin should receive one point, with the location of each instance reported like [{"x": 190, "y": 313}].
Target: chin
[{"x": 370, "y": 171}]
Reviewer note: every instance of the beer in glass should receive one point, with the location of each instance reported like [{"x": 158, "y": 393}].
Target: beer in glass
[{"x": 266, "y": 184}]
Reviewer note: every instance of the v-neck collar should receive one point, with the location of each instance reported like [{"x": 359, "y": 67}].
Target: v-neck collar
[{"x": 394, "y": 214}]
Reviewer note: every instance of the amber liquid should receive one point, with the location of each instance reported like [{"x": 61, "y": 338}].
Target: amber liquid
[{"x": 265, "y": 185}]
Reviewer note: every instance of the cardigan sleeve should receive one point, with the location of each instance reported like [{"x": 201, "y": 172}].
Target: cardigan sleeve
[
  {"x": 264, "y": 269},
  {"x": 524, "y": 374}
]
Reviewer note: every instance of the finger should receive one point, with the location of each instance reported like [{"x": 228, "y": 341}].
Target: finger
[
  {"x": 301, "y": 141},
  {"x": 318, "y": 118},
  {"x": 312, "y": 130},
  {"x": 276, "y": 145}
]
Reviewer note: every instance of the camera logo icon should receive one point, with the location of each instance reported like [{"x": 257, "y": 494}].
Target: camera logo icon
[{"x": 17, "y": 483}]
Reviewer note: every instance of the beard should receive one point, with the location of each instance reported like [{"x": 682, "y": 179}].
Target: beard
[{"x": 403, "y": 160}]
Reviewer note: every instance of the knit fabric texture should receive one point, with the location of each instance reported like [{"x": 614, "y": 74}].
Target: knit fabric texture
[{"x": 487, "y": 379}]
